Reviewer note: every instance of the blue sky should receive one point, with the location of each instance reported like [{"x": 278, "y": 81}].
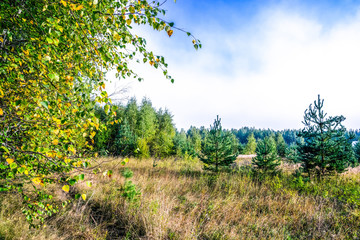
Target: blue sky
[{"x": 261, "y": 65}]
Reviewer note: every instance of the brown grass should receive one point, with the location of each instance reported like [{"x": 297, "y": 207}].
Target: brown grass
[{"x": 179, "y": 201}]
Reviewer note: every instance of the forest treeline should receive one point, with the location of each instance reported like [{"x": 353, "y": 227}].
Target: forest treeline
[{"x": 141, "y": 130}]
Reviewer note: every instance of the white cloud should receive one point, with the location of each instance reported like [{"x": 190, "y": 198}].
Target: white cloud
[{"x": 264, "y": 74}]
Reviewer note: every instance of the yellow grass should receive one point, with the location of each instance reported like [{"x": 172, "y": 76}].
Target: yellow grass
[{"x": 179, "y": 201}]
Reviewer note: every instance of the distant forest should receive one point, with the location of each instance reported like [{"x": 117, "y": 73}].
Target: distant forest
[
  {"x": 141, "y": 130},
  {"x": 289, "y": 135}
]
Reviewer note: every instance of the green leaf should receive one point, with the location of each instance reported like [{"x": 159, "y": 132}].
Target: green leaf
[
  {"x": 106, "y": 109},
  {"x": 114, "y": 108},
  {"x": 45, "y": 104},
  {"x": 72, "y": 181},
  {"x": 13, "y": 165}
]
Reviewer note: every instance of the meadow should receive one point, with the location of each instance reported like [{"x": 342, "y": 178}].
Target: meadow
[{"x": 178, "y": 200}]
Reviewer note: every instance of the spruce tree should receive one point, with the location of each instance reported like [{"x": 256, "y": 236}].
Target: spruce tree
[
  {"x": 280, "y": 144},
  {"x": 125, "y": 140},
  {"x": 218, "y": 149},
  {"x": 267, "y": 159},
  {"x": 326, "y": 149}
]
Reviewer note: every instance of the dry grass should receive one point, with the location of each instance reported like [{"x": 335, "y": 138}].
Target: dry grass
[{"x": 180, "y": 201}]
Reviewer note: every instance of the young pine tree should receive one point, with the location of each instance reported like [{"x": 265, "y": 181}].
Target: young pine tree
[
  {"x": 250, "y": 147},
  {"x": 267, "y": 159},
  {"x": 326, "y": 149},
  {"x": 218, "y": 149},
  {"x": 280, "y": 144}
]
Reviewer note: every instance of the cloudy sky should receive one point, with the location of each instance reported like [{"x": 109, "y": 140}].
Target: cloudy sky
[{"x": 261, "y": 65}]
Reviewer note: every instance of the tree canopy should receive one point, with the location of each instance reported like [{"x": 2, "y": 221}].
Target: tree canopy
[{"x": 53, "y": 60}]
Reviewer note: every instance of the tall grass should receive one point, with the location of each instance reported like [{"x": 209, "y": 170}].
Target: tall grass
[{"x": 180, "y": 201}]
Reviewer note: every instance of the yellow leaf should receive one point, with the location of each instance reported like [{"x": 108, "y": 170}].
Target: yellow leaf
[
  {"x": 83, "y": 196},
  {"x": 66, "y": 188},
  {"x": 1, "y": 112},
  {"x": 26, "y": 52},
  {"x": 170, "y": 32},
  {"x": 79, "y": 7},
  {"x": 151, "y": 63},
  {"x": 55, "y": 142},
  {"x": 9, "y": 160},
  {"x": 193, "y": 41},
  {"x": 116, "y": 36},
  {"x": 128, "y": 21},
  {"x": 93, "y": 134},
  {"x": 56, "y": 131},
  {"x": 89, "y": 184},
  {"x": 37, "y": 181},
  {"x": 63, "y": 3}
]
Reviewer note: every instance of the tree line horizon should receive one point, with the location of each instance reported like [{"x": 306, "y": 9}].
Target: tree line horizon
[{"x": 143, "y": 127}]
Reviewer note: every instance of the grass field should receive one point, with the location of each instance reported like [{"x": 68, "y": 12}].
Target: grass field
[{"x": 180, "y": 201}]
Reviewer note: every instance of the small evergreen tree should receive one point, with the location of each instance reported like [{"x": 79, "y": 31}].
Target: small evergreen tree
[
  {"x": 125, "y": 141},
  {"x": 326, "y": 149},
  {"x": 218, "y": 149},
  {"x": 250, "y": 147},
  {"x": 280, "y": 144},
  {"x": 266, "y": 159},
  {"x": 292, "y": 153},
  {"x": 241, "y": 148}
]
